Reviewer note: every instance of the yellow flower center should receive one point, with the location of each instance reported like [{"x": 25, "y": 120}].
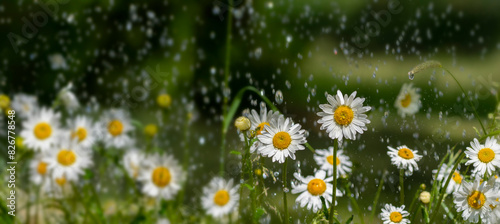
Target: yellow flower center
[
  {"x": 282, "y": 140},
  {"x": 330, "y": 160},
  {"x": 457, "y": 178},
  {"x": 221, "y": 197},
  {"x": 42, "y": 168},
  {"x": 396, "y": 217},
  {"x": 486, "y": 155},
  {"x": 476, "y": 199},
  {"x": 316, "y": 187},
  {"x": 164, "y": 100},
  {"x": 80, "y": 133},
  {"x": 61, "y": 181},
  {"x": 115, "y": 128},
  {"x": 406, "y": 101},
  {"x": 343, "y": 115},
  {"x": 42, "y": 130},
  {"x": 260, "y": 127},
  {"x": 4, "y": 101},
  {"x": 161, "y": 176},
  {"x": 66, "y": 157},
  {"x": 150, "y": 130},
  {"x": 405, "y": 153}
]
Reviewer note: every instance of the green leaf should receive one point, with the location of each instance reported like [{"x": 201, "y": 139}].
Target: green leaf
[
  {"x": 349, "y": 220},
  {"x": 258, "y": 213},
  {"x": 234, "y": 152},
  {"x": 137, "y": 124},
  {"x": 248, "y": 186},
  {"x": 88, "y": 174}
]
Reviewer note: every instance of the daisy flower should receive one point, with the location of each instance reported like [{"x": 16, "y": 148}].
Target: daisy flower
[
  {"x": 259, "y": 121},
  {"x": 82, "y": 130},
  {"x": 475, "y": 200},
  {"x": 442, "y": 175},
  {"x": 67, "y": 159},
  {"x": 57, "y": 187},
  {"x": 220, "y": 197},
  {"x": 41, "y": 129},
  {"x": 162, "y": 176},
  {"x": 24, "y": 104},
  {"x": 311, "y": 188},
  {"x": 408, "y": 100},
  {"x": 132, "y": 162},
  {"x": 39, "y": 169},
  {"x": 324, "y": 158},
  {"x": 114, "y": 128},
  {"x": 394, "y": 215},
  {"x": 281, "y": 139},
  {"x": 483, "y": 157},
  {"x": 344, "y": 116},
  {"x": 404, "y": 158}
]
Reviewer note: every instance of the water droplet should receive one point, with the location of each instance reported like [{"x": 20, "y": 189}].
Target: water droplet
[
  {"x": 286, "y": 190},
  {"x": 278, "y": 97},
  {"x": 202, "y": 140},
  {"x": 411, "y": 75},
  {"x": 258, "y": 53}
]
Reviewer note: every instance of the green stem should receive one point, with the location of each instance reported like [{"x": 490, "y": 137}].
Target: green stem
[
  {"x": 334, "y": 182},
  {"x": 310, "y": 147},
  {"x": 448, "y": 212},
  {"x": 401, "y": 187},
  {"x": 261, "y": 176},
  {"x": 414, "y": 201},
  {"x": 470, "y": 103},
  {"x": 85, "y": 205},
  {"x": 325, "y": 210},
  {"x": 424, "y": 213},
  {"x": 185, "y": 162},
  {"x": 375, "y": 201},
  {"x": 250, "y": 174},
  {"x": 287, "y": 217},
  {"x": 354, "y": 203},
  {"x": 226, "y": 83},
  {"x": 414, "y": 213},
  {"x": 443, "y": 190},
  {"x": 242, "y": 177},
  {"x": 434, "y": 187}
]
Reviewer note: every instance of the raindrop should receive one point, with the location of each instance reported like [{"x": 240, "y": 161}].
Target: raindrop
[
  {"x": 258, "y": 53},
  {"x": 202, "y": 140},
  {"x": 286, "y": 190},
  {"x": 411, "y": 75},
  {"x": 278, "y": 97}
]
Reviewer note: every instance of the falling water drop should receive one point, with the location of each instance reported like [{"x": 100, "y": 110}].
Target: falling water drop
[
  {"x": 278, "y": 97},
  {"x": 411, "y": 75}
]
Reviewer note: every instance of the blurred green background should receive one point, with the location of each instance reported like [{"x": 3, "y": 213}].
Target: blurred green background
[{"x": 114, "y": 52}]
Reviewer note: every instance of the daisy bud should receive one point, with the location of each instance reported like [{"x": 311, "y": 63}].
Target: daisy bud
[
  {"x": 151, "y": 130},
  {"x": 242, "y": 123},
  {"x": 4, "y": 101},
  {"x": 425, "y": 197},
  {"x": 164, "y": 100}
]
